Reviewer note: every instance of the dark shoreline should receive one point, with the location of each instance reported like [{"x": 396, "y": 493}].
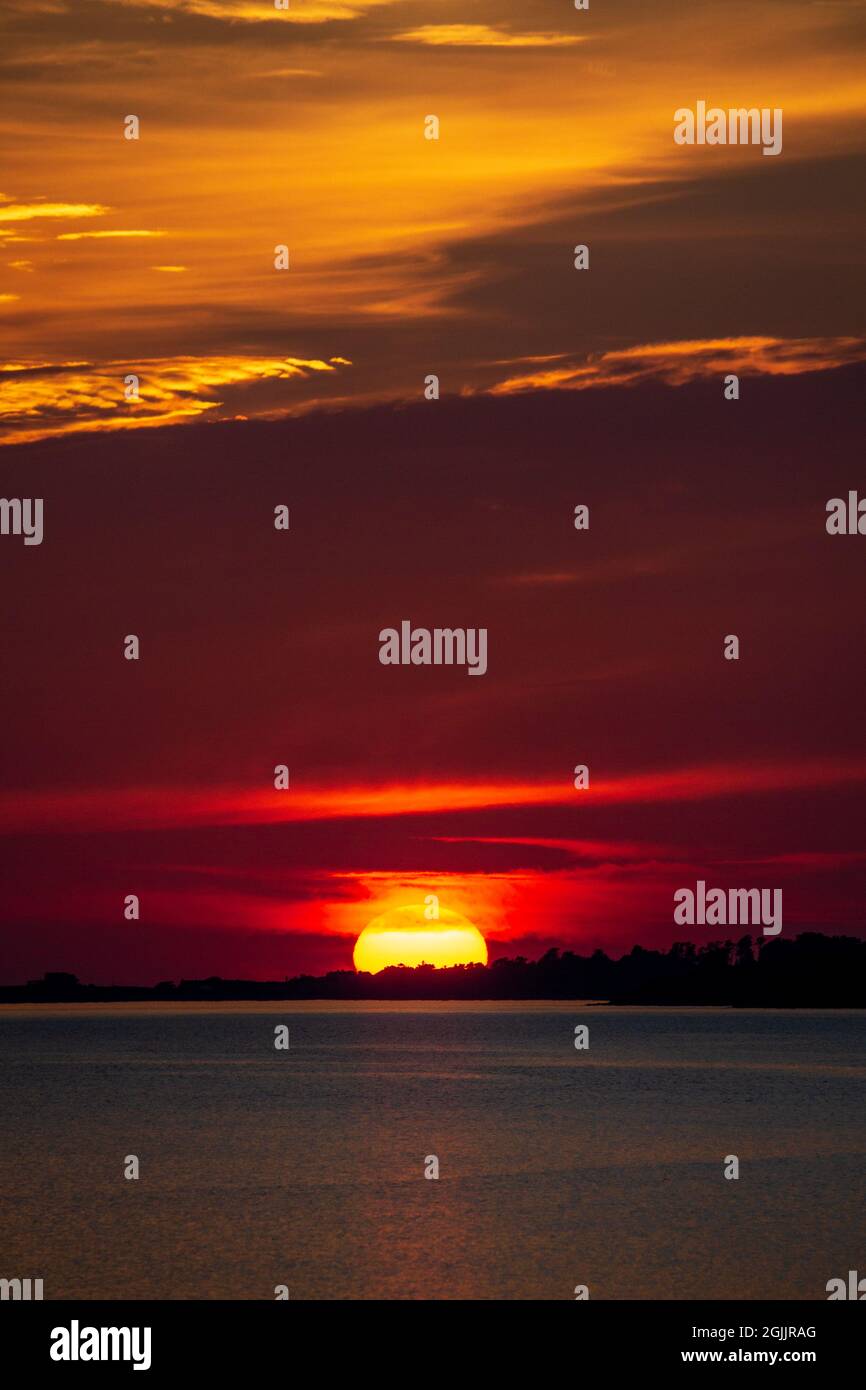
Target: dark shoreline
[{"x": 809, "y": 971}]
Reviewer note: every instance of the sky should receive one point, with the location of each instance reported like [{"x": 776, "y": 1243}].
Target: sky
[{"x": 305, "y": 388}]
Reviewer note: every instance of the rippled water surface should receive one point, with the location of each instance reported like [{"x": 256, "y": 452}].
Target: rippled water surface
[{"x": 306, "y": 1167}]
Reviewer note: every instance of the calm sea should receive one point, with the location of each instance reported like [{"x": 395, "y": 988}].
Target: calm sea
[{"x": 306, "y": 1167}]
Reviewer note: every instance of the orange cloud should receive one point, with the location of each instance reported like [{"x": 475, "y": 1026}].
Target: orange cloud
[
  {"x": 261, "y": 11},
  {"x": 27, "y": 212},
  {"x": 387, "y": 228},
  {"x": 40, "y": 399},
  {"x": 97, "y": 236},
  {"x": 679, "y": 362},
  {"x": 483, "y": 36}
]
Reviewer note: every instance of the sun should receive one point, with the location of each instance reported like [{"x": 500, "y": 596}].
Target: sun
[{"x": 405, "y": 936}]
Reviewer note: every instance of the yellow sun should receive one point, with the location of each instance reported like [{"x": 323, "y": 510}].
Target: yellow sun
[{"x": 404, "y": 936}]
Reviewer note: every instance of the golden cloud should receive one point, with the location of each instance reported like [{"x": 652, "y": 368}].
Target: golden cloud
[
  {"x": 483, "y": 36},
  {"x": 99, "y": 236},
  {"x": 679, "y": 362},
  {"x": 260, "y": 11},
  {"x": 26, "y": 212},
  {"x": 41, "y": 399}
]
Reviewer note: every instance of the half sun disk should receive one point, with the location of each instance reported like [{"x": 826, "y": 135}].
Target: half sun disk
[{"x": 404, "y": 936}]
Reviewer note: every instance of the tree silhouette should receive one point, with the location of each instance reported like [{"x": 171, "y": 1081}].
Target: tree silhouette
[{"x": 810, "y": 970}]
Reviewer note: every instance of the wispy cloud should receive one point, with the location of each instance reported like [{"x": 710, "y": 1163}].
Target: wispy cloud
[
  {"x": 484, "y": 36},
  {"x": 40, "y": 399},
  {"x": 679, "y": 362},
  {"x": 152, "y": 807},
  {"x": 264, "y": 11},
  {"x": 104, "y": 236},
  {"x": 290, "y": 72},
  {"x": 28, "y": 212}
]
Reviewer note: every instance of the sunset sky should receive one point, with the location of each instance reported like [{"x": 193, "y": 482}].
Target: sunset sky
[{"x": 305, "y": 387}]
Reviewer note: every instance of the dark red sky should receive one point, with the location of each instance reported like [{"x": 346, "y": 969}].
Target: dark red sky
[{"x": 261, "y": 647}]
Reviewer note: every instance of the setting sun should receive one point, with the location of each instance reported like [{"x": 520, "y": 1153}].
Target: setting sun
[{"x": 404, "y": 936}]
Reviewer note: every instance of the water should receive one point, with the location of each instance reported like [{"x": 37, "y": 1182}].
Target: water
[{"x": 557, "y": 1167}]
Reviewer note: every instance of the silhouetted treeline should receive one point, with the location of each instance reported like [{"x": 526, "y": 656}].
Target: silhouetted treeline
[{"x": 810, "y": 971}]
